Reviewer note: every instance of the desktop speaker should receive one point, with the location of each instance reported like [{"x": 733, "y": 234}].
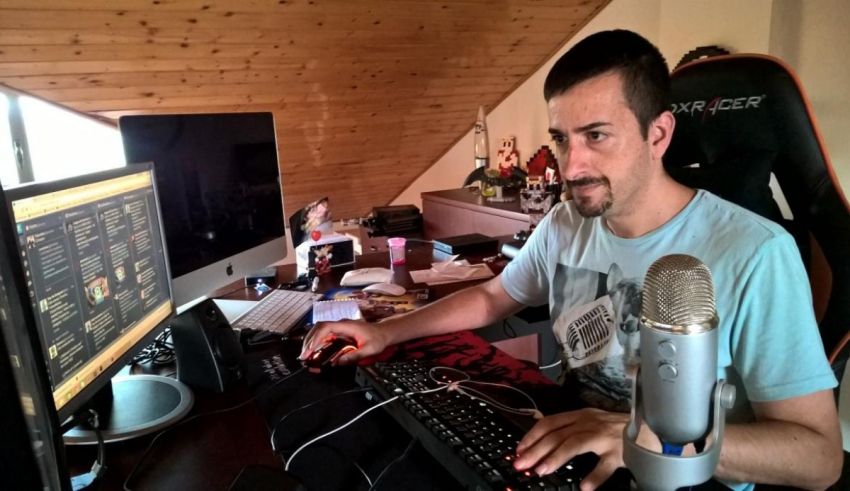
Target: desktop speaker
[{"x": 209, "y": 355}]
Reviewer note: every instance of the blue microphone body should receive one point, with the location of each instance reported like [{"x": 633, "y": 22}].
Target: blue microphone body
[
  {"x": 678, "y": 373},
  {"x": 675, "y": 390},
  {"x": 678, "y": 348}
]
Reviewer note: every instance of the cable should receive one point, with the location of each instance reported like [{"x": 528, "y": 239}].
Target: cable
[
  {"x": 394, "y": 462},
  {"x": 472, "y": 393},
  {"x": 198, "y": 416},
  {"x": 481, "y": 396},
  {"x": 443, "y": 385},
  {"x": 362, "y": 471},
  {"x": 346, "y": 425},
  {"x": 159, "y": 352},
  {"x": 309, "y": 405},
  {"x": 551, "y": 365},
  {"x": 84, "y": 481}
]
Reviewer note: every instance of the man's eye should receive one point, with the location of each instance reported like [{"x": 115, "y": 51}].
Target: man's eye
[
  {"x": 596, "y": 136},
  {"x": 559, "y": 139}
]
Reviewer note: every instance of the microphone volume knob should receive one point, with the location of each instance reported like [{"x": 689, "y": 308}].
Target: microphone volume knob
[
  {"x": 666, "y": 349},
  {"x": 668, "y": 372}
]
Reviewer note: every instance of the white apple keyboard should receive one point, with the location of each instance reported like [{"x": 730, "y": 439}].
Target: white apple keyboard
[{"x": 278, "y": 312}]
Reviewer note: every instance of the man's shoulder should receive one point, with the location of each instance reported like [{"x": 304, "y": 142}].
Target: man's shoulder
[{"x": 732, "y": 218}]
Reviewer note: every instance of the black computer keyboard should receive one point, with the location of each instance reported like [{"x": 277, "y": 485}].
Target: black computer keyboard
[{"x": 474, "y": 441}]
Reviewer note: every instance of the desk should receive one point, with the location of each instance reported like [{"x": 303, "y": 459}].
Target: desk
[
  {"x": 528, "y": 325},
  {"x": 208, "y": 453}
]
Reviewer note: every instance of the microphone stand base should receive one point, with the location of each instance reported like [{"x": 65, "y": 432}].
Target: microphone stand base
[{"x": 658, "y": 472}]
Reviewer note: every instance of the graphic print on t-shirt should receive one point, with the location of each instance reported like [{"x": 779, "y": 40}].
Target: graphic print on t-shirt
[{"x": 596, "y": 323}]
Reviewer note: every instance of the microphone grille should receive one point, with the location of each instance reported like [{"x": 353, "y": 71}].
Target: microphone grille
[{"x": 678, "y": 291}]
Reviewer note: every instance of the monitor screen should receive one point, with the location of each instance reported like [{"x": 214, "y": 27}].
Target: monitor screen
[
  {"x": 219, "y": 184},
  {"x": 96, "y": 272}
]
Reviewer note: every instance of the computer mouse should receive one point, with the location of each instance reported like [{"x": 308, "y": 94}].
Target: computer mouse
[
  {"x": 329, "y": 352},
  {"x": 390, "y": 289}
]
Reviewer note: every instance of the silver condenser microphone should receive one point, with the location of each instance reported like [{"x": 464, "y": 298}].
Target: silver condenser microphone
[
  {"x": 676, "y": 390},
  {"x": 678, "y": 348}
]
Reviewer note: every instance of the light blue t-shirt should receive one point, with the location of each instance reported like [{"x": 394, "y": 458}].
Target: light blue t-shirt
[{"x": 769, "y": 345}]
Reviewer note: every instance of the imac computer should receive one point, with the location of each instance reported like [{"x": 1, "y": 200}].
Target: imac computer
[
  {"x": 220, "y": 191},
  {"x": 96, "y": 275}
]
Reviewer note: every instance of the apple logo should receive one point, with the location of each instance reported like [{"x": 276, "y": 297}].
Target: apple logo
[{"x": 229, "y": 269}]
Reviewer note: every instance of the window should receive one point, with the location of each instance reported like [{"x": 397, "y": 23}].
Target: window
[
  {"x": 63, "y": 144},
  {"x": 8, "y": 167},
  {"x": 43, "y": 142}
]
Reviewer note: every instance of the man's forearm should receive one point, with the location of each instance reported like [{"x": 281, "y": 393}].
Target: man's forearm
[
  {"x": 466, "y": 309},
  {"x": 777, "y": 452}
]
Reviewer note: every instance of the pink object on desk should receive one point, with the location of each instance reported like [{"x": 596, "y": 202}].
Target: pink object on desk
[{"x": 396, "y": 245}]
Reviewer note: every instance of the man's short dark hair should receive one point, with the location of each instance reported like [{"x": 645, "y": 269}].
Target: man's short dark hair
[{"x": 646, "y": 78}]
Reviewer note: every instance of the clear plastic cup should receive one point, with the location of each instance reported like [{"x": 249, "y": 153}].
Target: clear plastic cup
[{"x": 396, "y": 245}]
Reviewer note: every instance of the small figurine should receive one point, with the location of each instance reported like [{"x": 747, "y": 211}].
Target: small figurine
[
  {"x": 507, "y": 158},
  {"x": 544, "y": 164}
]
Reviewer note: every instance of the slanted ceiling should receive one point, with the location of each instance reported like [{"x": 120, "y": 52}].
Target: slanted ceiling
[{"x": 366, "y": 94}]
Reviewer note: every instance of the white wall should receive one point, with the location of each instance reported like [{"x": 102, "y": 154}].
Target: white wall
[
  {"x": 811, "y": 36},
  {"x": 740, "y": 27}
]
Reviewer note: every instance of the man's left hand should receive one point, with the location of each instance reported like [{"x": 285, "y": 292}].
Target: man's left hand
[{"x": 556, "y": 439}]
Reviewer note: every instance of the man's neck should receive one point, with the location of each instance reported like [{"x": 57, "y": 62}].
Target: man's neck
[{"x": 652, "y": 210}]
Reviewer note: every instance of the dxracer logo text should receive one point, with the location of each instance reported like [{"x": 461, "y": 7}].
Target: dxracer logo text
[{"x": 712, "y": 106}]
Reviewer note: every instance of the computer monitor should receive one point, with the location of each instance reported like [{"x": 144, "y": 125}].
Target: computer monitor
[
  {"x": 96, "y": 274},
  {"x": 30, "y": 456},
  {"x": 220, "y": 191}
]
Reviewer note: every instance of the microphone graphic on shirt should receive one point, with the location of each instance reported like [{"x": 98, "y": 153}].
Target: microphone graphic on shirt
[{"x": 675, "y": 390}]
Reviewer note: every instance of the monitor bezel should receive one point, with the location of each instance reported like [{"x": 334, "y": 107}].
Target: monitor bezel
[
  {"x": 102, "y": 380},
  {"x": 29, "y": 359}
]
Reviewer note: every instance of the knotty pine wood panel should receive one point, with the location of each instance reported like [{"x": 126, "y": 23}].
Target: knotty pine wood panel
[
  {"x": 434, "y": 79},
  {"x": 366, "y": 94},
  {"x": 542, "y": 7}
]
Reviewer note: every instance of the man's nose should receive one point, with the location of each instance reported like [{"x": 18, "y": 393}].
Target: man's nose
[{"x": 573, "y": 161}]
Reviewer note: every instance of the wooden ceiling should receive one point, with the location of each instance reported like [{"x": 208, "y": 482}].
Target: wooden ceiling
[{"x": 366, "y": 94}]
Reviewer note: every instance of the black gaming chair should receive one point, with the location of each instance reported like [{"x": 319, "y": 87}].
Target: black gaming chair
[{"x": 743, "y": 117}]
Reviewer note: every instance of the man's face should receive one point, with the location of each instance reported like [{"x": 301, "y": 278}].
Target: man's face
[{"x": 604, "y": 159}]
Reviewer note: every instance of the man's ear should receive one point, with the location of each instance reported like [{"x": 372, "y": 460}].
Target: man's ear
[{"x": 661, "y": 133}]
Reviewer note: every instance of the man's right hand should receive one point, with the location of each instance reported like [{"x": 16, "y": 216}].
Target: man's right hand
[{"x": 371, "y": 339}]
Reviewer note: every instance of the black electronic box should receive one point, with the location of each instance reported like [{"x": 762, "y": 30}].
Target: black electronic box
[{"x": 466, "y": 244}]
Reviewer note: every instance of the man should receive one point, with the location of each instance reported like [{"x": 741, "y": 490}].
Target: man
[{"x": 608, "y": 100}]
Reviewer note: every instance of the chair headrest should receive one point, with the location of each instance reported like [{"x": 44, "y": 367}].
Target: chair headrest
[{"x": 741, "y": 117}]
